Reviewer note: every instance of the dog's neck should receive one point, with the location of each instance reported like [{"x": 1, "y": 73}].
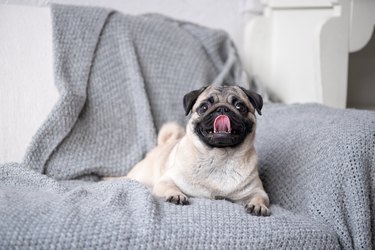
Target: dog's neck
[{"x": 205, "y": 151}]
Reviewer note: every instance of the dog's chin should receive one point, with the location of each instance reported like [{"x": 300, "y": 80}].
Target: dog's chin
[
  {"x": 220, "y": 140},
  {"x": 240, "y": 129}
]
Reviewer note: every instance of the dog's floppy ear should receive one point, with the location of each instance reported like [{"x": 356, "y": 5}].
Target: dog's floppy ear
[
  {"x": 190, "y": 99},
  {"x": 255, "y": 99}
]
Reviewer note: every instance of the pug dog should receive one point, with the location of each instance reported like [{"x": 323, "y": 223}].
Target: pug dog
[{"x": 214, "y": 157}]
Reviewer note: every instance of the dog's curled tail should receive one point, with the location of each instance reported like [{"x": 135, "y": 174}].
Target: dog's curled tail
[{"x": 169, "y": 132}]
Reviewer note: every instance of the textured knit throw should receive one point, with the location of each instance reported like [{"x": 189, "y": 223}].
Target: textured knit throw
[{"x": 120, "y": 78}]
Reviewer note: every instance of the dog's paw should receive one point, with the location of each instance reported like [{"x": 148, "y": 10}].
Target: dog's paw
[
  {"x": 258, "y": 209},
  {"x": 178, "y": 199}
]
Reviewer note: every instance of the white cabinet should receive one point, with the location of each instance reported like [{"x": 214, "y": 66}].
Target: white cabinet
[{"x": 300, "y": 49}]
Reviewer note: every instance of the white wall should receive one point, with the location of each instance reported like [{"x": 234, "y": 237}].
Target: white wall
[
  {"x": 230, "y": 15},
  {"x": 27, "y": 90}
]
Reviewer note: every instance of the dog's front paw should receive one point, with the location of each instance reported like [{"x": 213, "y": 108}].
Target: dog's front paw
[
  {"x": 258, "y": 209},
  {"x": 178, "y": 199}
]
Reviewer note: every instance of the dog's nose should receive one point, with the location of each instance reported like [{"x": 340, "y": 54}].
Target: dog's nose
[{"x": 222, "y": 110}]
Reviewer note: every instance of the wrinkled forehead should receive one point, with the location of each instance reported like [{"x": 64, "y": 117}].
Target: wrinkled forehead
[{"x": 222, "y": 94}]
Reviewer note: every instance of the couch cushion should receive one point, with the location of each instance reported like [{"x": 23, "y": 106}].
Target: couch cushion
[{"x": 123, "y": 214}]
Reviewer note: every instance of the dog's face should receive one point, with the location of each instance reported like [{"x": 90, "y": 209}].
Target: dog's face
[{"x": 222, "y": 116}]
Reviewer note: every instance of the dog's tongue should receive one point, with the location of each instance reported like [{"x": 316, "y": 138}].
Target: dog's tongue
[{"x": 222, "y": 124}]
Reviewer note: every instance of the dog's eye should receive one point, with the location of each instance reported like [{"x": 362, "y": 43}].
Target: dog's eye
[
  {"x": 203, "y": 108},
  {"x": 241, "y": 107}
]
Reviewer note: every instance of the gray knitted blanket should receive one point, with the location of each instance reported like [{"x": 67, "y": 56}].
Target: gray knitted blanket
[{"x": 120, "y": 77}]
